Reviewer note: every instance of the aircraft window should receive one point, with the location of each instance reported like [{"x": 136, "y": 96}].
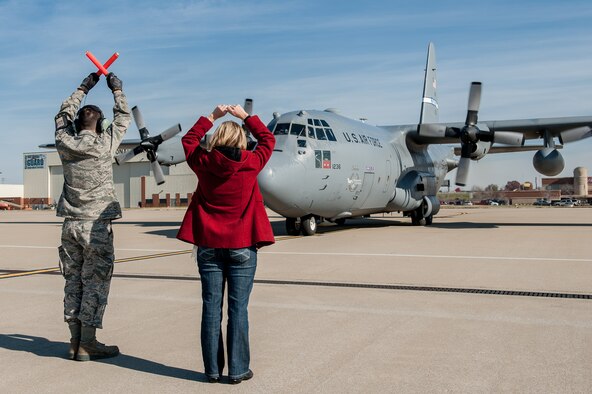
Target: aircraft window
[
  {"x": 321, "y": 134},
  {"x": 297, "y": 129},
  {"x": 271, "y": 125},
  {"x": 310, "y": 122},
  {"x": 282, "y": 129},
  {"x": 330, "y": 135},
  {"x": 318, "y": 159},
  {"x": 311, "y": 133},
  {"x": 324, "y": 123},
  {"x": 301, "y": 143},
  {"x": 317, "y": 122}
]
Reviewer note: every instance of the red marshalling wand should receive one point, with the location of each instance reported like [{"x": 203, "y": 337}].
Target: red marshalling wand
[{"x": 102, "y": 67}]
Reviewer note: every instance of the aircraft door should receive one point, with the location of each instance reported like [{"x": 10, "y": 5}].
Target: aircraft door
[
  {"x": 388, "y": 179},
  {"x": 361, "y": 195}
]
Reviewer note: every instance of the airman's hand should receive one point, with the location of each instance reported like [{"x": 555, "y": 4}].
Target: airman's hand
[
  {"x": 113, "y": 82},
  {"x": 89, "y": 82}
]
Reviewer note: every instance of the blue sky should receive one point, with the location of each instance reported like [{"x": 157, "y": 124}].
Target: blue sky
[{"x": 178, "y": 59}]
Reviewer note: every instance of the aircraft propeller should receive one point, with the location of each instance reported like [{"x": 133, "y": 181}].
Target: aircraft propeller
[
  {"x": 470, "y": 135},
  {"x": 248, "y": 107},
  {"x": 148, "y": 145}
]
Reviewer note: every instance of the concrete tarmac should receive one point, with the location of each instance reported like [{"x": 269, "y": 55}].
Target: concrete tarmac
[{"x": 487, "y": 299}]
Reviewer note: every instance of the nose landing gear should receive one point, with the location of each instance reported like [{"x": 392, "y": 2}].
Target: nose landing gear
[{"x": 307, "y": 225}]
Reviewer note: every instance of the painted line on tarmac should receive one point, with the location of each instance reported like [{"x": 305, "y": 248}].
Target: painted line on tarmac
[
  {"x": 167, "y": 253},
  {"x": 428, "y": 256},
  {"x": 124, "y": 260},
  {"x": 374, "y": 286},
  {"x": 55, "y": 247}
]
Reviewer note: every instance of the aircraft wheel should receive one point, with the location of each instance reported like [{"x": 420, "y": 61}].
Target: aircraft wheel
[
  {"x": 429, "y": 220},
  {"x": 417, "y": 218},
  {"x": 293, "y": 226},
  {"x": 309, "y": 225},
  {"x": 340, "y": 222}
]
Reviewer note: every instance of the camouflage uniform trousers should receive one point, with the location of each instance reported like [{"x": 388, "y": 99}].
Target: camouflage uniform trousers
[{"x": 86, "y": 257}]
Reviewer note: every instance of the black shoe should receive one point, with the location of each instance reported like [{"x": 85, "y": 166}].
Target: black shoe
[
  {"x": 247, "y": 376},
  {"x": 213, "y": 380}
]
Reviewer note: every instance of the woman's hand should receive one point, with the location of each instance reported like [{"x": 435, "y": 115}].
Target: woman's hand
[
  {"x": 218, "y": 113},
  {"x": 237, "y": 110}
]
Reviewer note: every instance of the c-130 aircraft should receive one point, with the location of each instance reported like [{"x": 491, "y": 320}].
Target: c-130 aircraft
[
  {"x": 326, "y": 166},
  {"x": 329, "y": 167}
]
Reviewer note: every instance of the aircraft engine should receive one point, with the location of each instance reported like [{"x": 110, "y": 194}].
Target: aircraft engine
[
  {"x": 481, "y": 149},
  {"x": 475, "y": 140},
  {"x": 548, "y": 161},
  {"x": 149, "y": 145}
]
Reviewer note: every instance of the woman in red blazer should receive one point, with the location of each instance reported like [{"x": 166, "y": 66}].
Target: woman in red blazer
[{"x": 227, "y": 221}]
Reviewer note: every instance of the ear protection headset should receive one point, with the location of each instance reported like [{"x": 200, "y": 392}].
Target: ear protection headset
[{"x": 102, "y": 123}]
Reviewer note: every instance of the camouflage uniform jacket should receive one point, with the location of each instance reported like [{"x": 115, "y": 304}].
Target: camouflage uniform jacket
[{"x": 87, "y": 159}]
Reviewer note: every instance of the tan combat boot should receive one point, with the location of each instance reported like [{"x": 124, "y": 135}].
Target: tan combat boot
[
  {"x": 74, "y": 345},
  {"x": 75, "y": 329},
  {"x": 91, "y": 349},
  {"x": 95, "y": 350}
]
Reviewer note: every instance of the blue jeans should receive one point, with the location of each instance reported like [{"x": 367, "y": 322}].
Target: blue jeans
[{"x": 216, "y": 268}]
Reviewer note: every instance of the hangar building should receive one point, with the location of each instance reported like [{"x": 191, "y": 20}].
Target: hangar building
[{"x": 134, "y": 183}]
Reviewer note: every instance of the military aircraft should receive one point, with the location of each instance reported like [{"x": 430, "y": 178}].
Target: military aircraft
[{"x": 329, "y": 167}]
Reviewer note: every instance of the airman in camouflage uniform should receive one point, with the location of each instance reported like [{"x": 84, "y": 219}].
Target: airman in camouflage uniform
[{"x": 86, "y": 144}]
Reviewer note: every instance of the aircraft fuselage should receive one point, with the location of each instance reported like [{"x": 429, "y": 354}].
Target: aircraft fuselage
[{"x": 334, "y": 167}]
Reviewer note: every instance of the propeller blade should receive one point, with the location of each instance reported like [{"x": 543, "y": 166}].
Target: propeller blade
[
  {"x": 138, "y": 118},
  {"x": 508, "y": 138},
  {"x": 125, "y": 156},
  {"x": 462, "y": 171},
  {"x": 170, "y": 132},
  {"x": 474, "y": 103},
  {"x": 158, "y": 175},
  {"x": 248, "y": 106},
  {"x": 475, "y": 96}
]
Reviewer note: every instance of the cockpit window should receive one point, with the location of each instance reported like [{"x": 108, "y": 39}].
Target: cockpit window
[
  {"x": 297, "y": 129},
  {"x": 271, "y": 125},
  {"x": 321, "y": 134},
  {"x": 322, "y": 131},
  {"x": 330, "y": 135},
  {"x": 282, "y": 129}
]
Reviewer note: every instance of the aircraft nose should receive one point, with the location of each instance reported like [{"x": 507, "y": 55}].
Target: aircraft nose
[{"x": 281, "y": 185}]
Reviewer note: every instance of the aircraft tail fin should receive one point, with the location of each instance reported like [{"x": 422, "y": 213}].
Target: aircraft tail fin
[{"x": 429, "y": 102}]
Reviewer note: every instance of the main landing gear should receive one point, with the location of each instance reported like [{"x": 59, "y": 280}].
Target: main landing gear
[{"x": 420, "y": 216}]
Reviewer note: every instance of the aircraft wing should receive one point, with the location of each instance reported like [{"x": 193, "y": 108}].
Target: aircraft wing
[
  {"x": 125, "y": 144},
  {"x": 510, "y": 149},
  {"x": 567, "y": 129}
]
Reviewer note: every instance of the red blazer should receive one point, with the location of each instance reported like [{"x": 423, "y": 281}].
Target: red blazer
[{"x": 227, "y": 210}]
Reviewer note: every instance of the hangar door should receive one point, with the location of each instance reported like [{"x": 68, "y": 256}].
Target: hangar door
[{"x": 56, "y": 182}]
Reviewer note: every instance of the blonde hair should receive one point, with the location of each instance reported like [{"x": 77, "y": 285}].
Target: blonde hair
[{"x": 228, "y": 134}]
